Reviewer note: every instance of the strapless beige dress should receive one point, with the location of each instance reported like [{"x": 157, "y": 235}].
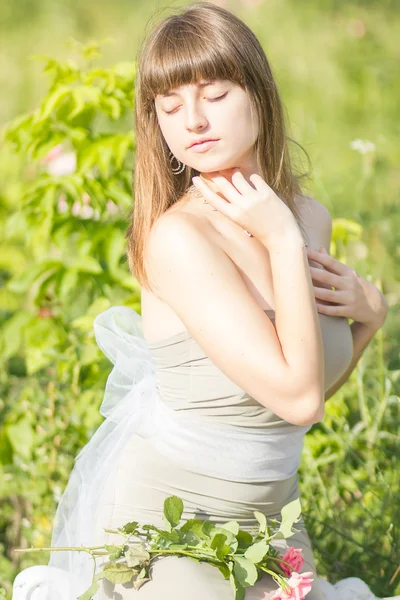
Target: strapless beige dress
[{"x": 189, "y": 381}]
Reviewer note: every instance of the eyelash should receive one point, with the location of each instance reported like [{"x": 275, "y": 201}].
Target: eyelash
[{"x": 171, "y": 112}]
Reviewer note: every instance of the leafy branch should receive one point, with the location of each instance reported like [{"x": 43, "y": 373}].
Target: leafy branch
[{"x": 241, "y": 557}]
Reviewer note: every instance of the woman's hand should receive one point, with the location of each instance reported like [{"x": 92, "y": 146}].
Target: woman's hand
[
  {"x": 353, "y": 297},
  {"x": 256, "y": 209}
]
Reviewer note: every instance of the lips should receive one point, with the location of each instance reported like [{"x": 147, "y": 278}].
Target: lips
[{"x": 202, "y": 141}]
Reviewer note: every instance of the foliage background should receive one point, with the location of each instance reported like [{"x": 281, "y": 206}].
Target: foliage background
[{"x": 62, "y": 261}]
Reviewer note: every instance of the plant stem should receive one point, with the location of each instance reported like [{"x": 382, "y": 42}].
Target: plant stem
[
  {"x": 277, "y": 578},
  {"x": 184, "y": 553},
  {"x": 78, "y": 548}
]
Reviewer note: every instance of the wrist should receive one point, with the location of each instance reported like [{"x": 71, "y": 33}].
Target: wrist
[
  {"x": 380, "y": 309},
  {"x": 290, "y": 237}
]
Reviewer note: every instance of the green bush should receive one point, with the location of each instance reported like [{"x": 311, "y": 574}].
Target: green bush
[{"x": 64, "y": 211}]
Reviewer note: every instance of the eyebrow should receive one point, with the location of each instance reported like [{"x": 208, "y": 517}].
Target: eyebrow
[{"x": 172, "y": 93}]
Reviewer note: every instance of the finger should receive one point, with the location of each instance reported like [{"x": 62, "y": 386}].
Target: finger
[
  {"x": 327, "y": 277},
  {"x": 241, "y": 183},
  {"x": 228, "y": 189},
  {"x": 333, "y": 311},
  {"x": 333, "y": 296},
  {"x": 259, "y": 182},
  {"x": 212, "y": 197},
  {"x": 329, "y": 262}
]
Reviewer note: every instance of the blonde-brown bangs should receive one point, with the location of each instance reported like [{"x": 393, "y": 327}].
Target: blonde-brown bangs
[{"x": 183, "y": 57}]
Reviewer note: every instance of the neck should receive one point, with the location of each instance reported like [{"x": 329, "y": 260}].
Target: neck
[{"x": 247, "y": 167}]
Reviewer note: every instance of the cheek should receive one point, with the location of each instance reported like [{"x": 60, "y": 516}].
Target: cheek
[
  {"x": 245, "y": 119},
  {"x": 170, "y": 133}
]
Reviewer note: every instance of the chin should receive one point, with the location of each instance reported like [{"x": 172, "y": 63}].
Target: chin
[{"x": 213, "y": 165}]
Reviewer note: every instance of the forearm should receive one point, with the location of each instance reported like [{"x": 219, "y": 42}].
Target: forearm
[
  {"x": 362, "y": 335},
  {"x": 296, "y": 317}
]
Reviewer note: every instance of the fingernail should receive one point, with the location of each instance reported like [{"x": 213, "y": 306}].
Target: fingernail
[{"x": 195, "y": 180}]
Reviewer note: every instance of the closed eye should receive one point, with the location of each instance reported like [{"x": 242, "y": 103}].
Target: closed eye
[{"x": 171, "y": 112}]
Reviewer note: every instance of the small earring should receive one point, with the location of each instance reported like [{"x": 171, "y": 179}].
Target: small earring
[{"x": 181, "y": 166}]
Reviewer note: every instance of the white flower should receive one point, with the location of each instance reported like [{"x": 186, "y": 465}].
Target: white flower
[
  {"x": 25, "y": 522},
  {"x": 64, "y": 164},
  {"x": 52, "y": 154},
  {"x": 362, "y": 146},
  {"x": 76, "y": 209},
  {"x": 62, "y": 204},
  {"x": 86, "y": 211},
  {"x": 111, "y": 207}
]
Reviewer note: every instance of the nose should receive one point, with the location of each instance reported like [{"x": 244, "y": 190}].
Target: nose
[{"x": 195, "y": 118}]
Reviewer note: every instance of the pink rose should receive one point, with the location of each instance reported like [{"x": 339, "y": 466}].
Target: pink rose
[
  {"x": 300, "y": 584},
  {"x": 294, "y": 557}
]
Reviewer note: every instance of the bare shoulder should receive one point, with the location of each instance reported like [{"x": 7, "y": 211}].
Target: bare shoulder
[
  {"x": 311, "y": 207},
  {"x": 317, "y": 219},
  {"x": 174, "y": 242}
]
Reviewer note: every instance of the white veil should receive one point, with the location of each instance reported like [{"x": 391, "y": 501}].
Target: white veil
[{"x": 129, "y": 398}]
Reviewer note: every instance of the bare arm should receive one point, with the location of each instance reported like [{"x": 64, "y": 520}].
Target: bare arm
[
  {"x": 204, "y": 288},
  {"x": 296, "y": 318}
]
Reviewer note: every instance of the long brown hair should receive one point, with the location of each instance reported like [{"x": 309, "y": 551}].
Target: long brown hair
[{"x": 206, "y": 41}]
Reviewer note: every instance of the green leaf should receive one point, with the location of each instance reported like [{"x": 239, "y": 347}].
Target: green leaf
[
  {"x": 137, "y": 584},
  {"x": 178, "y": 546},
  {"x": 118, "y": 572},
  {"x": 11, "y": 333},
  {"x": 114, "y": 551},
  {"x": 257, "y": 551},
  {"x": 224, "y": 570},
  {"x": 114, "y": 246},
  {"x": 230, "y": 537},
  {"x": 22, "y": 282},
  {"x": 261, "y": 518},
  {"x": 42, "y": 223},
  {"x": 245, "y": 571},
  {"x": 173, "y": 508},
  {"x": 238, "y": 589},
  {"x": 170, "y": 535},
  {"x": 67, "y": 284},
  {"x": 130, "y": 527},
  {"x": 290, "y": 514},
  {"x": 6, "y": 449},
  {"x": 53, "y": 102},
  {"x": 22, "y": 437},
  {"x": 42, "y": 337},
  {"x": 218, "y": 544},
  {"x": 194, "y": 526},
  {"x": 232, "y": 526},
  {"x": 90, "y": 592},
  {"x": 135, "y": 555},
  {"x": 86, "y": 264},
  {"x": 244, "y": 538}
]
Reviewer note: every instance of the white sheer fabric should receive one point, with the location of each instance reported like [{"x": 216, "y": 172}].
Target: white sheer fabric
[{"x": 132, "y": 405}]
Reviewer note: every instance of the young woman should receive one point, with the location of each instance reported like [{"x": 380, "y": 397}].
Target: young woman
[{"x": 240, "y": 350}]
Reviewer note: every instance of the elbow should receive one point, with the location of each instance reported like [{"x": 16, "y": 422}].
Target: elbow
[
  {"x": 310, "y": 413},
  {"x": 311, "y": 418}
]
